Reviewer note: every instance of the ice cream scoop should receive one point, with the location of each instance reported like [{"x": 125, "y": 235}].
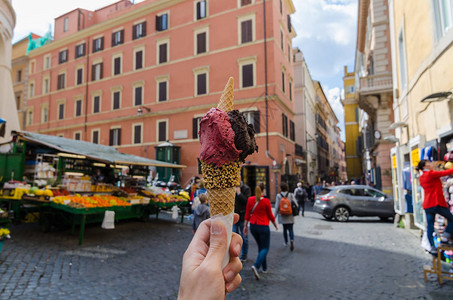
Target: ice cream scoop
[{"x": 244, "y": 134}]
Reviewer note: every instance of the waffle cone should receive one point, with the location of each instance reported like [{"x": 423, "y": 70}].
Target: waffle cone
[
  {"x": 227, "y": 98},
  {"x": 221, "y": 201}
]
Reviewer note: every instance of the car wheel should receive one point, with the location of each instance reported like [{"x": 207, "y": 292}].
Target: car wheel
[
  {"x": 327, "y": 217},
  {"x": 341, "y": 214}
]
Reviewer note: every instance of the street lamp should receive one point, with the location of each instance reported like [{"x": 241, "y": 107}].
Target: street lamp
[{"x": 140, "y": 110}]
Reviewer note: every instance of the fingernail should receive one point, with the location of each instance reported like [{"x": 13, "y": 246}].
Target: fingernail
[
  {"x": 229, "y": 276},
  {"x": 237, "y": 249},
  {"x": 216, "y": 227}
]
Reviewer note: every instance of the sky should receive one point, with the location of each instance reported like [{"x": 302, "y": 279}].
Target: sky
[{"x": 326, "y": 34}]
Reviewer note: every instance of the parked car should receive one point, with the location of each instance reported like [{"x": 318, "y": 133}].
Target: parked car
[{"x": 341, "y": 202}]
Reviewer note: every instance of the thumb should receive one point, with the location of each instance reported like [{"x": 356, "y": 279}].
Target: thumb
[{"x": 217, "y": 243}]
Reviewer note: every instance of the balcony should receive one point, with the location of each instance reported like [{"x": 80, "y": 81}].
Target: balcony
[{"x": 373, "y": 84}]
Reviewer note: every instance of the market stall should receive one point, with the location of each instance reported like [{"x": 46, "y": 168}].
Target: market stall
[{"x": 61, "y": 181}]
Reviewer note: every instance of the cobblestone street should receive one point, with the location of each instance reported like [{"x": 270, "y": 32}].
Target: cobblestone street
[{"x": 362, "y": 259}]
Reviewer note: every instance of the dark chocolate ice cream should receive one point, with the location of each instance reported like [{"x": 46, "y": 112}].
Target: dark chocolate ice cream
[{"x": 244, "y": 134}]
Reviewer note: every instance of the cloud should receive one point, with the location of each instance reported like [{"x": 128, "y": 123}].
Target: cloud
[{"x": 334, "y": 97}]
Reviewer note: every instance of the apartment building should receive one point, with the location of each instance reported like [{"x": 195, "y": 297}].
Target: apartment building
[
  {"x": 373, "y": 71},
  {"x": 423, "y": 85},
  {"x": 134, "y": 76},
  {"x": 7, "y": 106}
]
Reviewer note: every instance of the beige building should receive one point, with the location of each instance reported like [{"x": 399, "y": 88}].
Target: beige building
[
  {"x": 423, "y": 83},
  {"x": 373, "y": 70}
]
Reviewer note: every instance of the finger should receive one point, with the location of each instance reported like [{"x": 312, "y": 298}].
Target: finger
[
  {"x": 235, "y": 245},
  {"x": 217, "y": 244},
  {"x": 232, "y": 269},
  {"x": 236, "y": 218},
  {"x": 231, "y": 286},
  {"x": 200, "y": 239}
]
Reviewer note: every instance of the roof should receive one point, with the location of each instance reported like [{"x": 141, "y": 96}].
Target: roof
[{"x": 92, "y": 151}]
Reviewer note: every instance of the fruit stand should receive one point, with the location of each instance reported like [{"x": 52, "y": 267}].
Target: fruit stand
[{"x": 67, "y": 182}]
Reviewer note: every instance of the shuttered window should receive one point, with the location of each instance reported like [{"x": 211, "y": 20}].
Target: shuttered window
[
  {"x": 96, "y": 104},
  {"x": 285, "y": 125},
  {"x": 162, "y": 91},
  {"x": 95, "y": 139},
  {"x": 98, "y": 44},
  {"x": 162, "y": 131},
  {"x": 79, "y": 76},
  {"x": 201, "y": 84},
  {"x": 139, "y": 30},
  {"x": 162, "y": 22},
  {"x": 97, "y": 71},
  {"x": 201, "y": 9},
  {"x": 137, "y": 134},
  {"x": 117, "y": 66},
  {"x": 61, "y": 81},
  {"x": 162, "y": 53},
  {"x": 63, "y": 56},
  {"x": 116, "y": 100},
  {"x": 78, "y": 110},
  {"x": 245, "y": 2},
  {"x": 117, "y": 38},
  {"x": 247, "y": 75},
  {"x": 138, "y": 60},
  {"x": 195, "y": 127},
  {"x": 80, "y": 50},
  {"x": 246, "y": 31},
  {"x": 138, "y": 96},
  {"x": 61, "y": 111},
  {"x": 201, "y": 42},
  {"x": 115, "y": 137},
  {"x": 292, "y": 134}
]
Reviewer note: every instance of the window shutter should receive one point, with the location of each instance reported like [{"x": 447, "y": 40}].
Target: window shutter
[
  {"x": 162, "y": 91},
  {"x": 119, "y": 136},
  {"x": 93, "y": 47},
  {"x": 158, "y": 24},
  {"x": 138, "y": 59},
  {"x": 117, "y": 65},
  {"x": 247, "y": 75},
  {"x": 201, "y": 84},
  {"x": 144, "y": 28},
  {"x": 137, "y": 134},
  {"x": 198, "y": 10},
  {"x": 93, "y": 72},
  {"x": 162, "y": 53},
  {"x": 102, "y": 43},
  {"x": 102, "y": 71},
  {"x": 201, "y": 43},
  {"x": 138, "y": 95},
  {"x": 291, "y": 131},
  {"x": 122, "y": 36},
  {"x": 256, "y": 121},
  {"x": 162, "y": 131},
  {"x": 195, "y": 128},
  {"x": 113, "y": 39},
  {"x": 134, "y": 32},
  {"x": 83, "y": 49},
  {"x": 288, "y": 17}
]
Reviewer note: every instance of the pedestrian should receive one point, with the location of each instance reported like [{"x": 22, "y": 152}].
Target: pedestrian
[
  {"x": 202, "y": 276},
  {"x": 240, "y": 207},
  {"x": 434, "y": 201},
  {"x": 245, "y": 190},
  {"x": 301, "y": 196},
  {"x": 201, "y": 212},
  {"x": 286, "y": 219},
  {"x": 317, "y": 189},
  {"x": 258, "y": 214}
]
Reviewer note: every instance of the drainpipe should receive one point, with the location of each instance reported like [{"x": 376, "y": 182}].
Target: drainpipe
[{"x": 87, "y": 49}]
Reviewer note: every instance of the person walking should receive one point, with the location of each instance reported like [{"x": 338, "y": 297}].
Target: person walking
[
  {"x": 201, "y": 212},
  {"x": 240, "y": 207},
  {"x": 301, "y": 196},
  {"x": 258, "y": 213},
  {"x": 286, "y": 219},
  {"x": 434, "y": 201}
]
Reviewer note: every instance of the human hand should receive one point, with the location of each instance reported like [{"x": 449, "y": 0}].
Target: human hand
[
  {"x": 276, "y": 226},
  {"x": 246, "y": 229},
  {"x": 202, "y": 276}
]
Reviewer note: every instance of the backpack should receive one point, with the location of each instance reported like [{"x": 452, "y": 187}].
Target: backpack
[
  {"x": 285, "y": 206},
  {"x": 295, "y": 208}
]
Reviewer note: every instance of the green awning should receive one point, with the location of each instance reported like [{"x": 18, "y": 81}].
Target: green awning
[{"x": 101, "y": 153}]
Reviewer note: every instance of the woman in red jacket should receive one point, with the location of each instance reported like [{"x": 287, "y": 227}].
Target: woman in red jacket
[
  {"x": 434, "y": 202},
  {"x": 259, "y": 213}
]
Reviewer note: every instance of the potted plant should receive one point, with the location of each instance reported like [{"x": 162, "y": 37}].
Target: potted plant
[{"x": 4, "y": 234}]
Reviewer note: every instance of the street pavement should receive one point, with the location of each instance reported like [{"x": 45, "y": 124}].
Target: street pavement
[{"x": 364, "y": 258}]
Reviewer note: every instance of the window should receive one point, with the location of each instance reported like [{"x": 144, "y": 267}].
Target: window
[
  {"x": 79, "y": 76},
  {"x": 201, "y": 42},
  {"x": 402, "y": 60},
  {"x": 116, "y": 100},
  {"x": 162, "y": 90},
  {"x": 246, "y": 31},
  {"x": 162, "y": 131},
  {"x": 18, "y": 102},
  {"x": 47, "y": 62},
  {"x": 77, "y": 136},
  {"x": 30, "y": 117},
  {"x": 195, "y": 127},
  {"x": 350, "y": 89},
  {"x": 63, "y": 56},
  {"x": 289, "y": 53},
  {"x": 443, "y": 17},
  {"x": 78, "y": 108},
  {"x": 46, "y": 85},
  {"x": 285, "y": 125},
  {"x": 98, "y": 44},
  {"x": 19, "y": 76},
  {"x": 96, "y": 71},
  {"x": 117, "y": 38},
  {"x": 61, "y": 111},
  {"x": 139, "y": 30},
  {"x": 80, "y": 50},
  {"x": 95, "y": 136},
  {"x": 246, "y": 2},
  {"x": 163, "y": 52},
  {"x": 288, "y": 21},
  {"x": 61, "y": 83},
  {"x": 201, "y": 84},
  {"x": 31, "y": 92},
  {"x": 138, "y": 95},
  {"x": 115, "y": 137},
  {"x": 138, "y": 59},
  {"x": 66, "y": 24},
  {"x": 281, "y": 6},
  {"x": 162, "y": 22},
  {"x": 201, "y": 9},
  {"x": 247, "y": 75},
  {"x": 253, "y": 118},
  {"x": 117, "y": 65},
  {"x": 283, "y": 82},
  {"x": 96, "y": 104},
  {"x": 44, "y": 114},
  {"x": 281, "y": 39},
  {"x": 290, "y": 90},
  {"x": 292, "y": 134},
  {"x": 137, "y": 134}
]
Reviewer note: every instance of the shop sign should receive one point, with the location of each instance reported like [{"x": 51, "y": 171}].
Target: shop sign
[
  {"x": 415, "y": 157},
  {"x": 394, "y": 162}
]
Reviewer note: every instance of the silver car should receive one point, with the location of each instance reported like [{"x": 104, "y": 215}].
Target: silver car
[{"x": 341, "y": 202}]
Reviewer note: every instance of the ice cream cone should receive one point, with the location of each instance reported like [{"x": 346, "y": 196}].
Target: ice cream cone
[
  {"x": 221, "y": 201},
  {"x": 227, "y": 98}
]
